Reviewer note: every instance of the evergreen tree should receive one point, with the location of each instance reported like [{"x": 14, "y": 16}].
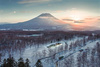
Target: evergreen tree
[
  {"x": 21, "y": 63},
  {"x": 39, "y": 64},
  {"x": 0, "y": 57},
  {"x": 4, "y": 63},
  {"x": 10, "y": 62},
  {"x": 84, "y": 41},
  {"x": 27, "y": 63},
  {"x": 15, "y": 64}
]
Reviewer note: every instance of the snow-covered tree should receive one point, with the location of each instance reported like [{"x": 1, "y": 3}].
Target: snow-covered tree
[{"x": 39, "y": 63}]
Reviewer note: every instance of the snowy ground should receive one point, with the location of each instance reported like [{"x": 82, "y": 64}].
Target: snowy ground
[{"x": 34, "y": 53}]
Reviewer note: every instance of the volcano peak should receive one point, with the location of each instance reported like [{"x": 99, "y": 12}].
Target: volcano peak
[{"x": 45, "y": 15}]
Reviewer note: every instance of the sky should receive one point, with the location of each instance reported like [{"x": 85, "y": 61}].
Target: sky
[{"x": 70, "y": 11}]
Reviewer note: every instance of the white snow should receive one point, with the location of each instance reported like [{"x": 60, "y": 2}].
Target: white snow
[{"x": 34, "y": 53}]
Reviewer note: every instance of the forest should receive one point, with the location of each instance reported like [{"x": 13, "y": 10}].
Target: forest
[{"x": 78, "y": 49}]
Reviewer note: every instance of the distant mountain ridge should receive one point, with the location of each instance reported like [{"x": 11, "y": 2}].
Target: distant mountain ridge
[{"x": 44, "y": 21}]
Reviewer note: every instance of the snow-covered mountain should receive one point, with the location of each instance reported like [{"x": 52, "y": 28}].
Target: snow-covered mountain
[
  {"x": 1, "y": 23},
  {"x": 44, "y": 21}
]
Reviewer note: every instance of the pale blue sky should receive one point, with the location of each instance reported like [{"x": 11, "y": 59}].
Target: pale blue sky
[{"x": 23, "y": 10}]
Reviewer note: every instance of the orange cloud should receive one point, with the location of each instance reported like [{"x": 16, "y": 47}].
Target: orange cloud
[{"x": 87, "y": 23}]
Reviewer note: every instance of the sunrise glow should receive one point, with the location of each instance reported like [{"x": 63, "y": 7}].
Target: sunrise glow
[
  {"x": 75, "y": 17},
  {"x": 76, "y": 14},
  {"x": 69, "y": 11}
]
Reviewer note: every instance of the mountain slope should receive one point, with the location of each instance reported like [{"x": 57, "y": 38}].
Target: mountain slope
[{"x": 43, "y": 21}]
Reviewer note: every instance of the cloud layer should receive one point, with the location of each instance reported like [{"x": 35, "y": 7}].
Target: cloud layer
[
  {"x": 68, "y": 20},
  {"x": 32, "y": 1}
]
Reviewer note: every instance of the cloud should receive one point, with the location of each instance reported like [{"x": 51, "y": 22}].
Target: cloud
[
  {"x": 32, "y": 1},
  {"x": 89, "y": 18},
  {"x": 68, "y": 20},
  {"x": 98, "y": 19},
  {"x": 78, "y": 22},
  {"x": 35, "y": 1}
]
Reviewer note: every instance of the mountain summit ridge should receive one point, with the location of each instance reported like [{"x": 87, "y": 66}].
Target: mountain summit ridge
[{"x": 46, "y": 15}]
